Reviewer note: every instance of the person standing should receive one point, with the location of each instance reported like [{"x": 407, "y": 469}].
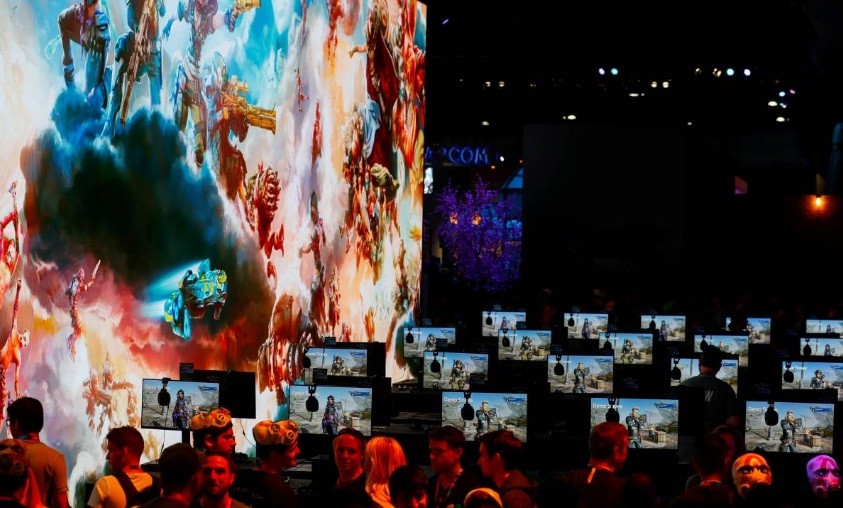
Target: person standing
[
  {"x": 178, "y": 467},
  {"x": 25, "y": 421},
  {"x": 450, "y": 481},
  {"x": 277, "y": 446},
  {"x": 128, "y": 483},
  {"x": 217, "y": 475},
  {"x": 349, "y": 447},
  {"x": 500, "y": 452}
]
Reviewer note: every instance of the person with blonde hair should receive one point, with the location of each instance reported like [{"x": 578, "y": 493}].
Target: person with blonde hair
[{"x": 383, "y": 456}]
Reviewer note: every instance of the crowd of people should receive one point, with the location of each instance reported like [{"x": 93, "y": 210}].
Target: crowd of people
[{"x": 375, "y": 472}]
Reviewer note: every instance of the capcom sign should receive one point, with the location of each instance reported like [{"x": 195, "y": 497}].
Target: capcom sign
[{"x": 458, "y": 155}]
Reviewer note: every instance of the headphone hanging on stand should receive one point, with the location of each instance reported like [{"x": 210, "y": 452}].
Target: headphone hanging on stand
[
  {"x": 788, "y": 374},
  {"x": 467, "y": 411},
  {"x": 312, "y": 403},
  {"x": 676, "y": 372},
  {"x": 559, "y": 369},
  {"x": 612, "y": 414}
]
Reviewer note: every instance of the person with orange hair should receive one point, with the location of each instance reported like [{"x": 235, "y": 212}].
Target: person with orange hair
[{"x": 383, "y": 456}]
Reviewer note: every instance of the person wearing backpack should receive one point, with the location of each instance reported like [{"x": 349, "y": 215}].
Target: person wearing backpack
[{"x": 128, "y": 485}]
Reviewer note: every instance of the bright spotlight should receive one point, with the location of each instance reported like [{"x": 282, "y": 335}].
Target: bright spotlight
[
  {"x": 614, "y": 71},
  {"x": 730, "y": 71},
  {"x": 747, "y": 72}
]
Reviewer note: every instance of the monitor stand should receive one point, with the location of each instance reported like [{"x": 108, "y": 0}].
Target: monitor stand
[{"x": 185, "y": 437}]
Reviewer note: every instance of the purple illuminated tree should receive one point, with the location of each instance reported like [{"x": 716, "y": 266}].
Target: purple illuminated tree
[{"x": 481, "y": 230}]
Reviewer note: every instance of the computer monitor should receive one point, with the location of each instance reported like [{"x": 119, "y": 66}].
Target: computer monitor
[
  {"x": 451, "y": 370},
  {"x": 666, "y": 327},
  {"x": 813, "y": 375},
  {"x": 799, "y": 427},
  {"x": 683, "y": 367},
  {"x": 338, "y": 361},
  {"x": 631, "y": 348},
  {"x": 730, "y": 343},
  {"x": 523, "y": 345},
  {"x": 353, "y": 406},
  {"x": 581, "y": 373},
  {"x": 486, "y": 411},
  {"x": 418, "y": 339},
  {"x": 495, "y": 320},
  {"x": 586, "y": 326},
  {"x": 159, "y": 402},
  {"x": 238, "y": 389},
  {"x": 758, "y": 329},
  {"x": 824, "y": 326},
  {"x": 654, "y": 422},
  {"x": 821, "y": 346}
]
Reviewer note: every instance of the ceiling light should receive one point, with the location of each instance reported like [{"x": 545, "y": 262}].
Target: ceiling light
[
  {"x": 484, "y": 123},
  {"x": 772, "y": 104}
]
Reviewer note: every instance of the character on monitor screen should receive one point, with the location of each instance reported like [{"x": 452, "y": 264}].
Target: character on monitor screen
[
  {"x": 86, "y": 24},
  {"x": 586, "y": 329},
  {"x": 580, "y": 375},
  {"x": 337, "y": 365},
  {"x": 633, "y": 427},
  {"x": 504, "y": 323},
  {"x": 485, "y": 415},
  {"x": 788, "y": 438},
  {"x": 74, "y": 289},
  {"x": 663, "y": 331},
  {"x": 527, "y": 349},
  {"x": 827, "y": 351},
  {"x": 331, "y": 418},
  {"x": 458, "y": 375},
  {"x": 180, "y": 411},
  {"x": 627, "y": 351},
  {"x": 430, "y": 343},
  {"x": 818, "y": 382}
]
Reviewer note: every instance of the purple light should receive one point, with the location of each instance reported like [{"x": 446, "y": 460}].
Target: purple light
[{"x": 445, "y": 21}]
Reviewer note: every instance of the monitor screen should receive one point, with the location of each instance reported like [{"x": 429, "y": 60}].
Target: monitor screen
[
  {"x": 523, "y": 345},
  {"x": 823, "y": 326},
  {"x": 586, "y": 326},
  {"x": 163, "y": 407},
  {"x": 632, "y": 348},
  {"x": 238, "y": 389},
  {"x": 455, "y": 371},
  {"x": 652, "y": 422},
  {"x": 730, "y": 344},
  {"x": 491, "y": 411},
  {"x": 418, "y": 339},
  {"x": 821, "y": 346},
  {"x": 668, "y": 328},
  {"x": 801, "y": 427},
  {"x": 758, "y": 329},
  {"x": 495, "y": 320},
  {"x": 337, "y": 361},
  {"x": 813, "y": 376},
  {"x": 352, "y": 407},
  {"x": 581, "y": 373},
  {"x": 690, "y": 366}
]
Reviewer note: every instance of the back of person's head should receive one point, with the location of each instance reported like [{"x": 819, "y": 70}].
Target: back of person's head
[
  {"x": 711, "y": 357},
  {"x": 504, "y": 442},
  {"x": 14, "y": 466},
  {"x": 28, "y": 413},
  {"x": 483, "y": 498},
  {"x": 177, "y": 466},
  {"x": 454, "y": 437},
  {"x": 711, "y": 455},
  {"x": 733, "y": 438},
  {"x": 639, "y": 491},
  {"x": 127, "y": 437},
  {"x": 280, "y": 436},
  {"x": 407, "y": 483},
  {"x": 210, "y": 426},
  {"x": 383, "y": 456},
  {"x": 606, "y": 438}
]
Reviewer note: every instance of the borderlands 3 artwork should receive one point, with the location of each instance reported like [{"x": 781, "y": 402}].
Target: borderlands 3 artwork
[{"x": 262, "y": 158}]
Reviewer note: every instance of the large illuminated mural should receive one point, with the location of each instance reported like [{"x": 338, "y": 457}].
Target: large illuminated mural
[{"x": 221, "y": 182}]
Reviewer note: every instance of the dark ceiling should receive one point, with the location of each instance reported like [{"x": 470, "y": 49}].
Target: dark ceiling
[{"x": 548, "y": 55}]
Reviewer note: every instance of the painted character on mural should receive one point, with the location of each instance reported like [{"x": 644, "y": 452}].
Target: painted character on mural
[
  {"x": 10, "y": 244},
  {"x": 86, "y": 24},
  {"x": 137, "y": 53},
  {"x": 203, "y": 19},
  {"x": 77, "y": 286},
  {"x": 196, "y": 292},
  {"x": 10, "y": 355}
]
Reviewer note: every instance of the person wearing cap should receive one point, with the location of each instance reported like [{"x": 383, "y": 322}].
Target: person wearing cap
[
  {"x": 213, "y": 431},
  {"x": 178, "y": 467},
  {"x": 277, "y": 446},
  {"x": 25, "y": 421},
  {"x": 18, "y": 485}
]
